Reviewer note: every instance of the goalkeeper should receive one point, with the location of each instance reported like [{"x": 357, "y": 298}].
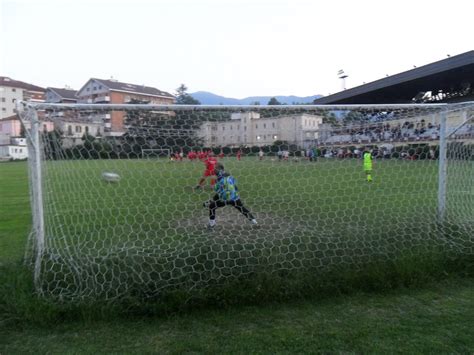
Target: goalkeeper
[
  {"x": 227, "y": 194},
  {"x": 367, "y": 157}
]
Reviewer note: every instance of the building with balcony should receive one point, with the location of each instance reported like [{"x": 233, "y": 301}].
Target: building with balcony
[
  {"x": 100, "y": 91},
  {"x": 250, "y": 129},
  {"x": 12, "y": 91}
]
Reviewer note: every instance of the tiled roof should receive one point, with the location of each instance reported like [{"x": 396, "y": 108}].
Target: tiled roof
[
  {"x": 139, "y": 89},
  {"x": 65, "y": 93},
  {"x": 10, "y": 118},
  {"x": 6, "y": 81}
]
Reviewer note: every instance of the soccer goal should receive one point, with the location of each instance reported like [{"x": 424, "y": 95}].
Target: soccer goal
[{"x": 338, "y": 187}]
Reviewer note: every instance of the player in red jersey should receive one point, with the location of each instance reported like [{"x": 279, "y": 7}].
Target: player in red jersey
[
  {"x": 221, "y": 154},
  {"x": 210, "y": 161}
]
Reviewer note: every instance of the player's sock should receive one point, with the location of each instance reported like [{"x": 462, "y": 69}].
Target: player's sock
[
  {"x": 254, "y": 221},
  {"x": 212, "y": 223},
  {"x": 369, "y": 178}
]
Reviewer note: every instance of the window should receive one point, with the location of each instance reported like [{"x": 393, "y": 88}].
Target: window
[
  {"x": 69, "y": 130},
  {"x": 78, "y": 129},
  {"x": 245, "y": 128},
  {"x": 87, "y": 129},
  {"x": 45, "y": 128},
  {"x": 256, "y": 125},
  {"x": 223, "y": 128},
  {"x": 20, "y": 150},
  {"x": 231, "y": 127},
  {"x": 3, "y": 99},
  {"x": 95, "y": 88},
  {"x": 14, "y": 90},
  {"x": 98, "y": 131},
  {"x": 4, "y": 109},
  {"x": 273, "y": 124},
  {"x": 264, "y": 125},
  {"x": 88, "y": 89},
  {"x": 13, "y": 101}
]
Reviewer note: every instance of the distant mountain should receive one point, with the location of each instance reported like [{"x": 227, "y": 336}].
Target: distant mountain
[{"x": 208, "y": 98}]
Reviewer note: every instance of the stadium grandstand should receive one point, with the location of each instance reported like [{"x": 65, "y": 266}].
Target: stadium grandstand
[{"x": 450, "y": 80}]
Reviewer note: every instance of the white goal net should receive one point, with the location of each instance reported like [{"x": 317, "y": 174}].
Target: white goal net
[
  {"x": 243, "y": 191},
  {"x": 156, "y": 153}
]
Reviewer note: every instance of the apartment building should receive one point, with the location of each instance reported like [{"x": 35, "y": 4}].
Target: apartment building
[
  {"x": 250, "y": 129},
  {"x": 111, "y": 91},
  {"x": 12, "y": 91},
  {"x": 71, "y": 123}
]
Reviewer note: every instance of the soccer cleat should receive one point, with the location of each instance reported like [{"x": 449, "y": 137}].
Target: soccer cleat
[
  {"x": 211, "y": 224},
  {"x": 254, "y": 222}
]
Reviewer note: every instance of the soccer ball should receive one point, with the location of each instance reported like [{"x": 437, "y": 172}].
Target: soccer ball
[{"x": 110, "y": 177}]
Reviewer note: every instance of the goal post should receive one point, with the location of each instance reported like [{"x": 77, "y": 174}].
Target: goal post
[{"x": 330, "y": 187}]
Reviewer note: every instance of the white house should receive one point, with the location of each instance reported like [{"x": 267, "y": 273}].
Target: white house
[
  {"x": 249, "y": 128},
  {"x": 15, "y": 149}
]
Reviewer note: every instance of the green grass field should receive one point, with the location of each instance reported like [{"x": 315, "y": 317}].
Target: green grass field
[
  {"x": 146, "y": 235},
  {"x": 397, "y": 308}
]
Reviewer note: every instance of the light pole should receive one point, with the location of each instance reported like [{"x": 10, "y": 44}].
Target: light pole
[{"x": 343, "y": 77}]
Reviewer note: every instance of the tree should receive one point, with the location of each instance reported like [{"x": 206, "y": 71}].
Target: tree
[
  {"x": 183, "y": 98},
  {"x": 160, "y": 130},
  {"x": 274, "y": 101},
  {"x": 355, "y": 116},
  {"x": 329, "y": 117},
  {"x": 53, "y": 147}
]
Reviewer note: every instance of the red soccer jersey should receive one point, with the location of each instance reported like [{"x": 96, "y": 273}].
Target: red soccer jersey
[{"x": 210, "y": 164}]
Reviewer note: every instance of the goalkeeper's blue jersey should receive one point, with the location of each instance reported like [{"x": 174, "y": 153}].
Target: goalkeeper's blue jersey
[{"x": 226, "y": 188}]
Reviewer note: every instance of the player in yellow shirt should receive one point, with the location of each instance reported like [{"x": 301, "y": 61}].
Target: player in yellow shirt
[{"x": 367, "y": 157}]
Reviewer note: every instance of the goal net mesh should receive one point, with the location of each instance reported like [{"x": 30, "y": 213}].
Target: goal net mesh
[{"x": 330, "y": 187}]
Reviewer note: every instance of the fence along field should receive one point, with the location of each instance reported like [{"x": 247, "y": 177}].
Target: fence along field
[{"x": 145, "y": 235}]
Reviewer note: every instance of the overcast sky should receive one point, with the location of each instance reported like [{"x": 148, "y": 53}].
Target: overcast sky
[{"x": 234, "y": 48}]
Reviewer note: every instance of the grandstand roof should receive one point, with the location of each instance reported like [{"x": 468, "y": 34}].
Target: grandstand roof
[{"x": 446, "y": 75}]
